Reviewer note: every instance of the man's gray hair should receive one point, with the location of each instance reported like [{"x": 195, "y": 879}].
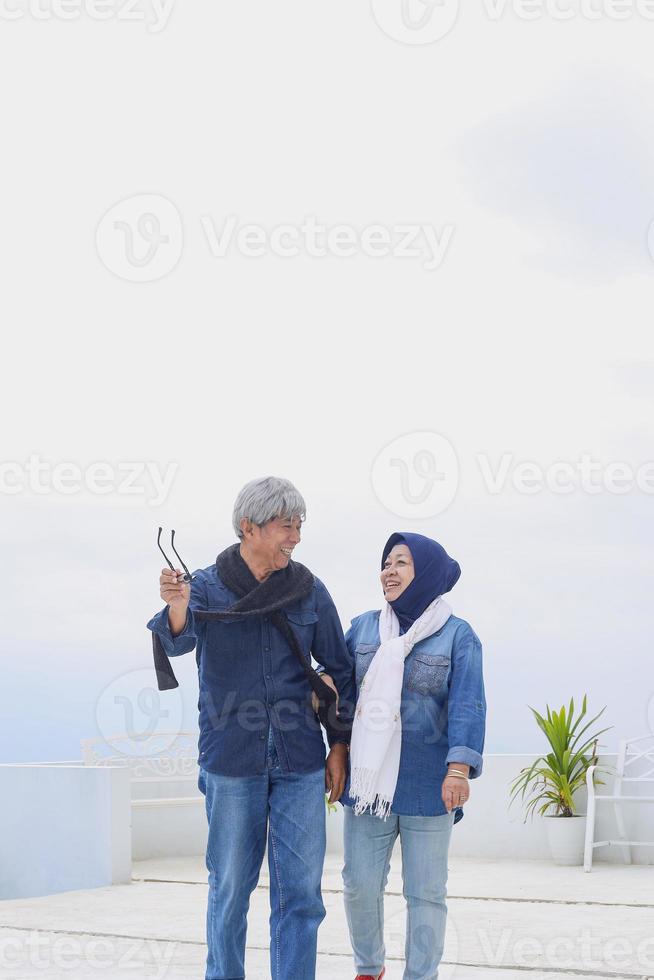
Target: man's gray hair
[{"x": 261, "y": 500}]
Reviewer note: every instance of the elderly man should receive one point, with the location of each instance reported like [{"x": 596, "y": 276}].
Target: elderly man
[{"x": 252, "y": 616}]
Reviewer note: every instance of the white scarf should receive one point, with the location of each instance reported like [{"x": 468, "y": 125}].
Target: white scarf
[{"x": 377, "y": 730}]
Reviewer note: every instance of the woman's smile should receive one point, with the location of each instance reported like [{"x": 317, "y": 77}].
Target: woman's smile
[{"x": 398, "y": 571}]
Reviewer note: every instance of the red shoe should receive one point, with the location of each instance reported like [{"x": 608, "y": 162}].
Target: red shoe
[{"x": 368, "y": 976}]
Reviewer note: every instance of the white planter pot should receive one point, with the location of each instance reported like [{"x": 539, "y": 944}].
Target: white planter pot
[{"x": 565, "y": 836}]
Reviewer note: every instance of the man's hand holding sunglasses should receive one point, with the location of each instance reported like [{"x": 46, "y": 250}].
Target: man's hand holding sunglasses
[{"x": 176, "y": 593}]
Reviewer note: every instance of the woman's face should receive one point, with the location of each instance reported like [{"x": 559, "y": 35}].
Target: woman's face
[{"x": 398, "y": 572}]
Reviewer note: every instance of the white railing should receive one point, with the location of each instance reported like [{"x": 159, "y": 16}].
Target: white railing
[{"x": 167, "y": 807}]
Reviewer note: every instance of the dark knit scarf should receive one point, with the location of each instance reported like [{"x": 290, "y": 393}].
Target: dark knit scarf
[{"x": 267, "y": 598}]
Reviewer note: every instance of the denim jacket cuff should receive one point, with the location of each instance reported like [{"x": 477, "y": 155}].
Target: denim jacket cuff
[
  {"x": 461, "y": 753},
  {"x": 159, "y": 624}
]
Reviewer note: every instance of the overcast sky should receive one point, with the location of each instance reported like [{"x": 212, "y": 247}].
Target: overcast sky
[{"x": 174, "y": 329}]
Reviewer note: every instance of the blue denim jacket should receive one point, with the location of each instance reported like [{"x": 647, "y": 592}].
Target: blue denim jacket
[
  {"x": 250, "y": 681},
  {"x": 443, "y": 709}
]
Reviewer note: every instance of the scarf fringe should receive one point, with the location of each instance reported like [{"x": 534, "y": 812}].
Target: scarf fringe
[{"x": 362, "y": 791}]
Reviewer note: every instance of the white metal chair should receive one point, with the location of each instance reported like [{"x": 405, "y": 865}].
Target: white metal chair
[{"x": 635, "y": 767}]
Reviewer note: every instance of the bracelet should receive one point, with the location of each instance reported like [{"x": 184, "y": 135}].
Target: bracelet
[{"x": 457, "y": 773}]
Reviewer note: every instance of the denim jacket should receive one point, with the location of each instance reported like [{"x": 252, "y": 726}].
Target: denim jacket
[
  {"x": 443, "y": 709},
  {"x": 251, "y": 683}
]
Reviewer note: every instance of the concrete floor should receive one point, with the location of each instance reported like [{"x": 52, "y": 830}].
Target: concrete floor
[{"x": 508, "y": 920}]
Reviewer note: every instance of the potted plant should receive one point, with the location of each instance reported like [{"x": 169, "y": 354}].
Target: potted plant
[{"x": 548, "y": 786}]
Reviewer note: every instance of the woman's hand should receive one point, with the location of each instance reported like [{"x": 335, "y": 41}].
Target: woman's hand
[{"x": 454, "y": 792}]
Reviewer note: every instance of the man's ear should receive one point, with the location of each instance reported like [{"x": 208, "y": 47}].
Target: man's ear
[{"x": 247, "y": 527}]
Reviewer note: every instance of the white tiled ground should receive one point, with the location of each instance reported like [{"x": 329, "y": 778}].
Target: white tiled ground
[{"x": 508, "y": 920}]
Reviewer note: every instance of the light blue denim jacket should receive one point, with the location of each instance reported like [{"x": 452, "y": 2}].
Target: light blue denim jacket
[{"x": 443, "y": 709}]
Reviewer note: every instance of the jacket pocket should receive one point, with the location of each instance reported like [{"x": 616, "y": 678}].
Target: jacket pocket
[
  {"x": 302, "y": 617},
  {"x": 428, "y": 673},
  {"x": 363, "y": 653},
  {"x": 303, "y": 623}
]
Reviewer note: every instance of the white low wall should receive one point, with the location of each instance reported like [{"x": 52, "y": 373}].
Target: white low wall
[
  {"x": 169, "y": 830},
  {"x": 62, "y": 827},
  {"x": 59, "y": 834},
  {"x": 489, "y": 829}
]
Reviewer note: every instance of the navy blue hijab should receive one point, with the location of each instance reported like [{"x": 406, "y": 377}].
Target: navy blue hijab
[{"x": 435, "y": 574}]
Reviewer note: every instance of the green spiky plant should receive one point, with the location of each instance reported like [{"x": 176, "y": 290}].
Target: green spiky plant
[{"x": 551, "y": 782}]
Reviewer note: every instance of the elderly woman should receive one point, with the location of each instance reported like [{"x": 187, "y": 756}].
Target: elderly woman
[{"x": 417, "y": 739}]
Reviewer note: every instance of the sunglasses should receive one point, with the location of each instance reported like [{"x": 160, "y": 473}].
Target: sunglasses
[{"x": 187, "y": 577}]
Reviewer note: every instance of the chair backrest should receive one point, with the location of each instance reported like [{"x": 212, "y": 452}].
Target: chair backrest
[
  {"x": 164, "y": 755},
  {"x": 635, "y": 762}
]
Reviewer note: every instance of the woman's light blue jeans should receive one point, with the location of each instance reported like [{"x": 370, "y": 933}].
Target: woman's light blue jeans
[
  {"x": 368, "y": 846},
  {"x": 241, "y": 810}
]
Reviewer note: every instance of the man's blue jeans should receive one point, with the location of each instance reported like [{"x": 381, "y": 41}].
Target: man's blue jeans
[
  {"x": 368, "y": 846},
  {"x": 290, "y": 809}
]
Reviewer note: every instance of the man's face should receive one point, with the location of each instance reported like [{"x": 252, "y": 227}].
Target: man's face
[{"x": 273, "y": 543}]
